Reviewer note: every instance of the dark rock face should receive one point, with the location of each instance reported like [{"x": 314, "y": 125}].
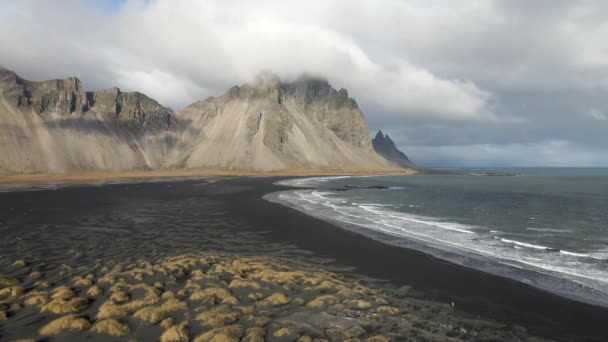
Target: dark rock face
[
  {"x": 338, "y": 112},
  {"x": 385, "y": 147},
  {"x": 67, "y": 99},
  {"x": 269, "y": 124},
  {"x": 57, "y": 126}
]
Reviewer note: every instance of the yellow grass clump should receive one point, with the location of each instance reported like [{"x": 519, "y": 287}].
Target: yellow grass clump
[
  {"x": 109, "y": 309},
  {"x": 35, "y": 275},
  {"x": 218, "y": 294},
  {"x": 119, "y": 297},
  {"x": 8, "y": 281},
  {"x": 111, "y": 327},
  {"x": 359, "y": 304},
  {"x": 230, "y": 333},
  {"x": 322, "y": 301},
  {"x": 270, "y": 275},
  {"x": 62, "y": 306},
  {"x": 3, "y": 315},
  {"x": 241, "y": 283},
  {"x": 260, "y": 321},
  {"x": 348, "y": 292},
  {"x": 62, "y": 292},
  {"x": 154, "y": 314},
  {"x": 42, "y": 284},
  {"x": 176, "y": 333},
  {"x": 282, "y": 332},
  {"x": 241, "y": 266},
  {"x": 65, "y": 269},
  {"x": 94, "y": 291},
  {"x": 152, "y": 293},
  {"x": 197, "y": 274},
  {"x": 247, "y": 310},
  {"x": 276, "y": 299},
  {"x": 107, "y": 279},
  {"x": 388, "y": 310},
  {"x": 168, "y": 295},
  {"x": 255, "y": 334},
  {"x": 80, "y": 281},
  {"x": 255, "y": 295},
  {"x": 13, "y": 291},
  {"x": 166, "y": 323},
  {"x": 69, "y": 322},
  {"x": 36, "y": 298},
  {"x": 217, "y": 317},
  {"x": 19, "y": 263}
]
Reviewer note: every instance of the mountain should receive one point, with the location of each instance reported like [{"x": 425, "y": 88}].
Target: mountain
[
  {"x": 269, "y": 125},
  {"x": 385, "y": 147},
  {"x": 56, "y": 126}
]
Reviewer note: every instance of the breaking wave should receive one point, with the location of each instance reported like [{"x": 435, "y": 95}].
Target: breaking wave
[{"x": 582, "y": 276}]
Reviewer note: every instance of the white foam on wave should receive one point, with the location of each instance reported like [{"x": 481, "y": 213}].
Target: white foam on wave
[
  {"x": 465, "y": 240},
  {"x": 525, "y": 244},
  {"x": 310, "y": 182},
  {"x": 548, "y": 230},
  {"x": 418, "y": 219},
  {"x": 576, "y": 254}
]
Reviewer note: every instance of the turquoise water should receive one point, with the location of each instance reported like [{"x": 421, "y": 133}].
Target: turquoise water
[{"x": 544, "y": 227}]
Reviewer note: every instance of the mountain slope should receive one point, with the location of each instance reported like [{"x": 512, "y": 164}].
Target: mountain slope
[
  {"x": 55, "y": 126},
  {"x": 385, "y": 147},
  {"x": 269, "y": 125}
]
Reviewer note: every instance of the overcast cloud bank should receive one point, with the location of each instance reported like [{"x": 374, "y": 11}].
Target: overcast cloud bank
[{"x": 453, "y": 82}]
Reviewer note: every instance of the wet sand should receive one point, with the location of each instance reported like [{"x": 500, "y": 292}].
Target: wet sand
[
  {"x": 20, "y": 178},
  {"x": 125, "y": 258}
]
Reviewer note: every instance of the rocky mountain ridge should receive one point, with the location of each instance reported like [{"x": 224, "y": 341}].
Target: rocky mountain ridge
[
  {"x": 385, "y": 147},
  {"x": 57, "y": 126}
]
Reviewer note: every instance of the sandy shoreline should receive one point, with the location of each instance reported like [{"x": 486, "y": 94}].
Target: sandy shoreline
[
  {"x": 179, "y": 173},
  {"x": 92, "y": 257}
]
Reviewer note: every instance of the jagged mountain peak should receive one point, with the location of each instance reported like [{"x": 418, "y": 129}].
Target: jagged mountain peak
[
  {"x": 385, "y": 146},
  {"x": 267, "y": 124},
  {"x": 272, "y": 124}
]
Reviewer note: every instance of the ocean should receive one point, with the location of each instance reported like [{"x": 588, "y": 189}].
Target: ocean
[{"x": 545, "y": 227}]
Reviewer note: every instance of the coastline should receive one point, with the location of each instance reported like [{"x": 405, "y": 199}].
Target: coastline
[
  {"x": 182, "y": 173},
  {"x": 478, "y": 293},
  {"x": 435, "y": 290}
]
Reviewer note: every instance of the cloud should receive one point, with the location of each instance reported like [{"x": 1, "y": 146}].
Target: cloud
[
  {"x": 433, "y": 73},
  {"x": 206, "y": 46},
  {"x": 597, "y": 114}
]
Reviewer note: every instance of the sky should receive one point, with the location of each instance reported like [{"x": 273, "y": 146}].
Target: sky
[{"x": 453, "y": 82}]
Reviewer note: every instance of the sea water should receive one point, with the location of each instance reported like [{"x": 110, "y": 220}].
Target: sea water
[{"x": 544, "y": 227}]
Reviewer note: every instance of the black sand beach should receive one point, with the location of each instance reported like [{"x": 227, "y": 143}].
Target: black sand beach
[{"x": 91, "y": 227}]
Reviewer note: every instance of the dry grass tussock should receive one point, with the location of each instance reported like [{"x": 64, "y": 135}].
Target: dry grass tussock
[
  {"x": 62, "y": 306},
  {"x": 218, "y": 294},
  {"x": 211, "y": 292},
  {"x": 321, "y": 301},
  {"x": 154, "y": 314},
  {"x": 176, "y": 333},
  {"x": 217, "y": 316},
  {"x": 65, "y": 323},
  {"x": 111, "y": 327},
  {"x": 276, "y": 299},
  {"x": 229, "y": 333}
]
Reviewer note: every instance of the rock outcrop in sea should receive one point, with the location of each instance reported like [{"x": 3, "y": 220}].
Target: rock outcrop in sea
[
  {"x": 56, "y": 126},
  {"x": 385, "y": 147}
]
